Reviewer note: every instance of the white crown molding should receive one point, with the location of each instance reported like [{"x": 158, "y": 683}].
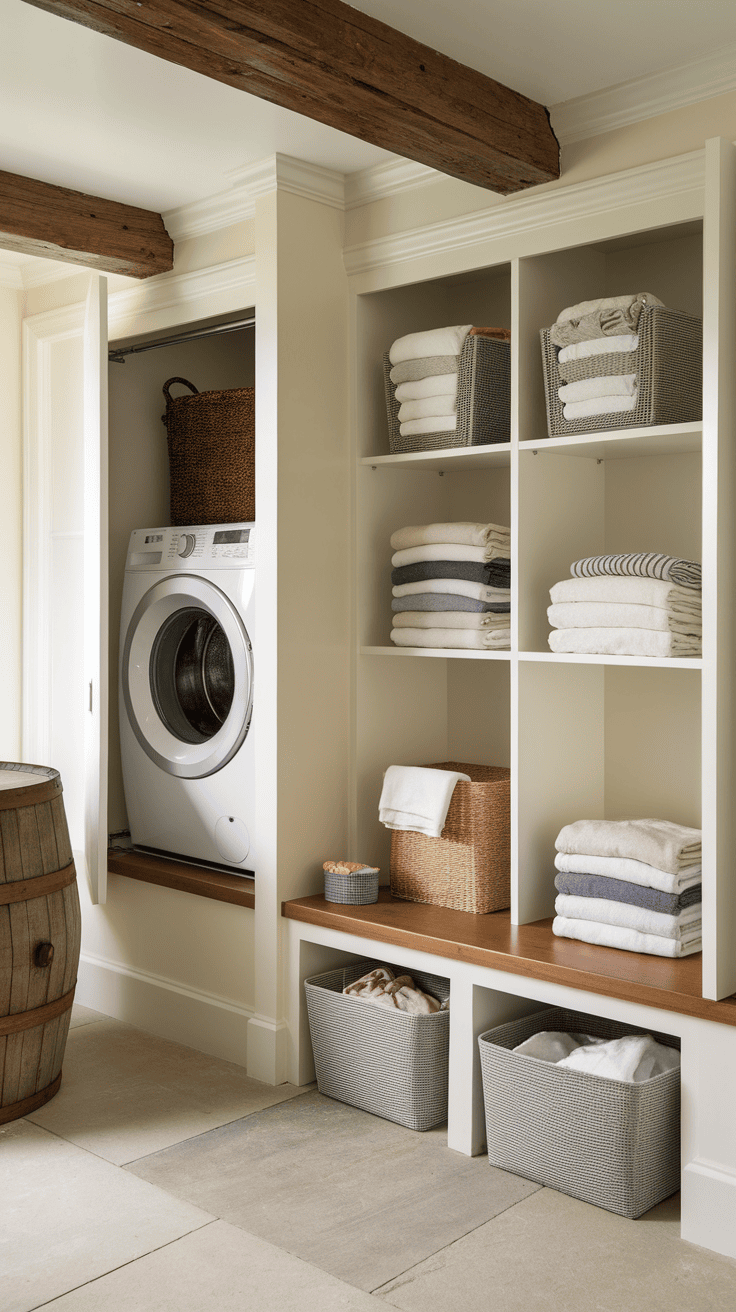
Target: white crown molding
[
  {"x": 519, "y": 214},
  {"x": 238, "y": 203},
  {"x": 202, "y": 292},
  {"x": 645, "y": 97},
  {"x": 387, "y": 179}
]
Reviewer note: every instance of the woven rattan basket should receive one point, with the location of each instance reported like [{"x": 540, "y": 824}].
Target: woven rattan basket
[
  {"x": 468, "y": 868},
  {"x": 613, "y": 1144},
  {"x": 212, "y": 444},
  {"x": 483, "y": 400},
  {"x": 386, "y": 1062},
  {"x": 668, "y": 367}
]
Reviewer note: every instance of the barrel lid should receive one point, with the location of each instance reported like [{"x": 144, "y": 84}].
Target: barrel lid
[{"x": 40, "y": 782}]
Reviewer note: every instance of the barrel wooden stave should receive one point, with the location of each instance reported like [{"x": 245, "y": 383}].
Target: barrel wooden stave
[{"x": 34, "y": 841}]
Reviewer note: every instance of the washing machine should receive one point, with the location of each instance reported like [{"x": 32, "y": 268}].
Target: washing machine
[{"x": 186, "y": 693}]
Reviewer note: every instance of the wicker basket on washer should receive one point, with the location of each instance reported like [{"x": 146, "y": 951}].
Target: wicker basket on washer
[
  {"x": 483, "y": 400},
  {"x": 385, "y": 1062},
  {"x": 668, "y": 363},
  {"x": 613, "y": 1144},
  {"x": 468, "y": 868}
]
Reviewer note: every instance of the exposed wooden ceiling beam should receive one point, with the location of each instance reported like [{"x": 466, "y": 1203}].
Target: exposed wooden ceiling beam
[
  {"x": 339, "y": 66},
  {"x": 57, "y": 224}
]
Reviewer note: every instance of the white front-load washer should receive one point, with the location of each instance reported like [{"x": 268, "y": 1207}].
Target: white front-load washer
[{"x": 186, "y": 693}]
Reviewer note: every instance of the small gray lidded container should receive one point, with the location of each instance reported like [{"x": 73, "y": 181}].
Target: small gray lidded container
[
  {"x": 357, "y": 888},
  {"x": 385, "y": 1062},
  {"x": 613, "y": 1144}
]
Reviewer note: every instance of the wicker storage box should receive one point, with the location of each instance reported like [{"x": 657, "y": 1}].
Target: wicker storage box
[
  {"x": 468, "y": 868},
  {"x": 483, "y": 401},
  {"x": 385, "y": 1062},
  {"x": 212, "y": 447},
  {"x": 668, "y": 364},
  {"x": 612, "y": 1144}
]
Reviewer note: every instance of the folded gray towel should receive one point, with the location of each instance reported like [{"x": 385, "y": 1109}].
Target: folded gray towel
[
  {"x": 412, "y": 371},
  {"x": 447, "y": 601},
  {"x": 617, "y": 890},
  {"x": 642, "y": 564},
  {"x": 495, "y": 574}
]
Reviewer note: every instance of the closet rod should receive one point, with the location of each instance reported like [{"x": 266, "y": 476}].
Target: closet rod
[{"x": 117, "y": 356}]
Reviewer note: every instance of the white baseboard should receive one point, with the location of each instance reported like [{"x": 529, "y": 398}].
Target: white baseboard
[
  {"x": 205, "y": 1021},
  {"x": 709, "y": 1206},
  {"x": 267, "y": 1050}
]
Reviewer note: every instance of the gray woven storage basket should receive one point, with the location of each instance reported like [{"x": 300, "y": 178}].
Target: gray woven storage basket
[
  {"x": 613, "y": 1144},
  {"x": 385, "y": 1062},
  {"x": 668, "y": 364},
  {"x": 483, "y": 400},
  {"x": 359, "y": 888}
]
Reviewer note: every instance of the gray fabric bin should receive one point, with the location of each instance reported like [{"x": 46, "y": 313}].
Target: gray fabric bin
[
  {"x": 668, "y": 363},
  {"x": 385, "y": 1062},
  {"x": 612, "y": 1144},
  {"x": 483, "y": 401}
]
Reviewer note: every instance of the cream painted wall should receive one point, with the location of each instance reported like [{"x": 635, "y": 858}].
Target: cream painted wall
[
  {"x": 667, "y": 135},
  {"x": 11, "y": 520}
]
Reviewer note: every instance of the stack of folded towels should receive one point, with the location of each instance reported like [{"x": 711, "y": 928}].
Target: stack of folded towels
[
  {"x": 452, "y": 586},
  {"x": 424, "y": 372},
  {"x": 633, "y": 884},
  {"x": 592, "y": 331},
  {"x": 642, "y": 604}
]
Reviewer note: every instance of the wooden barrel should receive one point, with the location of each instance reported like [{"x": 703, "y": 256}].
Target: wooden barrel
[{"x": 40, "y": 927}]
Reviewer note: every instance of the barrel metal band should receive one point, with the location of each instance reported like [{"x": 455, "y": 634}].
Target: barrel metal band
[
  {"x": 17, "y": 799},
  {"x": 28, "y": 1020},
  {"x": 14, "y": 1110},
  {"x": 25, "y": 889}
]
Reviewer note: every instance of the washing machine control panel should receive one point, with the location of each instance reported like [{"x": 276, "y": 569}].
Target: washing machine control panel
[{"x": 210, "y": 546}]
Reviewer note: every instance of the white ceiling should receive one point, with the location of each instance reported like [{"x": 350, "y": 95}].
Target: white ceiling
[{"x": 87, "y": 112}]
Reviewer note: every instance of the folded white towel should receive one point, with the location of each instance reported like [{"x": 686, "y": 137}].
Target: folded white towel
[
  {"x": 687, "y": 925},
  {"x": 449, "y": 619},
  {"x": 613, "y": 936},
  {"x": 584, "y": 308},
  {"x": 632, "y": 872},
  {"x": 438, "y": 341},
  {"x": 461, "y": 533},
  {"x": 460, "y": 587},
  {"x": 416, "y": 798},
  {"x": 449, "y": 551},
  {"x": 600, "y": 405},
  {"x": 553, "y": 1045},
  {"x": 435, "y": 424},
  {"x": 623, "y": 642},
  {"x": 598, "y": 346},
  {"x": 428, "y": 407},
  {"x": 468, "y": 639},
  {"x": 632, "y": 1059},
  {"x": 616, "y": 385},
  {"x": 632, "y": 591},
  {"x": 611, "y": 615},
  {"x": 660, "y": 843},
  {"x": 435, "y": 385}
]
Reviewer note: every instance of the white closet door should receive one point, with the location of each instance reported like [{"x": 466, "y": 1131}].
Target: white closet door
[
  {"x": 95, "y": 586},
  {"x": 65, "y": 565}
]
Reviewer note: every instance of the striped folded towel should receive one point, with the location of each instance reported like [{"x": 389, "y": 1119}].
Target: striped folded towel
[{"x": 643, "y": 564}]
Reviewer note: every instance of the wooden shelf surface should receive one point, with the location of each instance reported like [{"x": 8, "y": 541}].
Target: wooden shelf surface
[
  {"x": 529, "y": 950},
  {"x": 216, "y": 884}
]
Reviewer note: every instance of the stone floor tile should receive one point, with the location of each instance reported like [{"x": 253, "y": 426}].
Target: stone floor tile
[
  {"x": 126, "y": 1093},
  {"x": 67, "y": 1217},
  {"x": 356, "y": 1195},
  {"x": 218, "y": 1269},
  {"x": 84, "y": 1016},
  {"x": 551, "y": 1251}
]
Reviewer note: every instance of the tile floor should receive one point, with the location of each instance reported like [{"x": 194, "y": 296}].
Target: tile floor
[{"x": 161, "y": 1180}]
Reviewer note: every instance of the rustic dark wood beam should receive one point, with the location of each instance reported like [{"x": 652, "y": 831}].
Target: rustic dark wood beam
[
  {"x": 57, "y": 224},
  {"x": 339, "y": 66}
]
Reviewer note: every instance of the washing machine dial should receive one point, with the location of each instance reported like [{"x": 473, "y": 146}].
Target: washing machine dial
[{"x": 187, "y": 543}]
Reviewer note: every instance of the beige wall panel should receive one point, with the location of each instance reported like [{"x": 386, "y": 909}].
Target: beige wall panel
[
  {"x": 653, "y": 503},
  {"x": 478, "y": 712},
  {"x": 11, "y": 517},
  {"x": 652, "y": 744}
]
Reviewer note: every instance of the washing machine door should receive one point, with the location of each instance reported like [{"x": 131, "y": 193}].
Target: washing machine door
[{"x": 187, "y": 676}]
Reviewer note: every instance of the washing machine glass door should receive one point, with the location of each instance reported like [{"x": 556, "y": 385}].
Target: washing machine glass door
[{"x": 187, "y": 676}]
